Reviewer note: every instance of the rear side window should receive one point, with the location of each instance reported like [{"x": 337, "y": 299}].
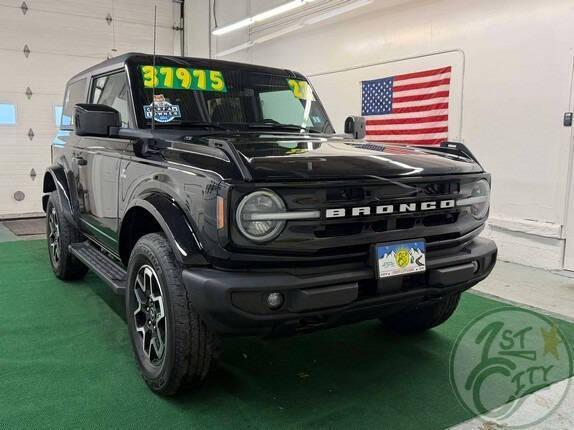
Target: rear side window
[
  {"x": 112, "y": 90},
  {"x": 75, "y": 94}
]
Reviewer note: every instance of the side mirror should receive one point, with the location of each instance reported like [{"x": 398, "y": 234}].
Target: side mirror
[
  {"x": 355, "y": 125},
  {"x": 95, "y": 119}
]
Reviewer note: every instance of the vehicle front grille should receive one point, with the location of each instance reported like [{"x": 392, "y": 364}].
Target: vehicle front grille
[{"x": 351, "y": 238}]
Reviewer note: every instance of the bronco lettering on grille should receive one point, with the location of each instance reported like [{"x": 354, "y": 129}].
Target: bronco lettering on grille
[{"x": 389, "y": 209}]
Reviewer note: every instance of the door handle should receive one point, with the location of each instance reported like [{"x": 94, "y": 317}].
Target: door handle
[{"x": 81, "y": 161}]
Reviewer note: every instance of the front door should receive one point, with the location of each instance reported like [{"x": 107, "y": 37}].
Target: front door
[{"x": 97, "y": 163}]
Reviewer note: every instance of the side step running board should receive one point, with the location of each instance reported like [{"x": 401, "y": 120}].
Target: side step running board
[{"x": 107, "y": 269}]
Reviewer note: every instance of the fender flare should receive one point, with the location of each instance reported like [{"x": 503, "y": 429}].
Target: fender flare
[
  {"x": 174, "y": 223},
  {"x": 55, "y": 180}
]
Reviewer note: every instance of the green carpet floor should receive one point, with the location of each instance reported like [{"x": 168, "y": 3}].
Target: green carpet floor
[{"x": 65, "y": 362}]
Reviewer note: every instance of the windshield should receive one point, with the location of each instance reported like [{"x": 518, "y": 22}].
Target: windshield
[{"x": 228, "y": 98}]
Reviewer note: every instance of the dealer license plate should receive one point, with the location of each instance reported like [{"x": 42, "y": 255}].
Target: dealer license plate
[{"x": 395, "y": 259}]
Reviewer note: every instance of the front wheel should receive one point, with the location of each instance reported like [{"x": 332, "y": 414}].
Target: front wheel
[
  {"x": 424, "y": 318},
  {"x": 173, "y": 347}
]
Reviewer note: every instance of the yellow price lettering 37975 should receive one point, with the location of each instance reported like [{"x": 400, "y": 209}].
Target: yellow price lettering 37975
[{"x": 182, "y": 78}]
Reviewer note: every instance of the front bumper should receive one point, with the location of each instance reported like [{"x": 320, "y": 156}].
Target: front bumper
[{"x": 233, "y": 303}]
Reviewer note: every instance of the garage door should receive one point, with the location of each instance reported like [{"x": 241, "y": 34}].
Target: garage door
[{"x": 42, "y": 44}]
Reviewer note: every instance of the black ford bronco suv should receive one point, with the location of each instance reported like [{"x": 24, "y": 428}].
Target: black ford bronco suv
[{"x": 216, "y": 197}]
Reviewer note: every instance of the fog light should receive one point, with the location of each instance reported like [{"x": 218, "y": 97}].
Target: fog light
[
  {"x": 476, "y": 266},
  {"x": 274, "y": 300}
]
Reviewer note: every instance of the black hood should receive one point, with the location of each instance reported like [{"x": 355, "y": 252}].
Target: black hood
[{"x": 273, "y": 157}]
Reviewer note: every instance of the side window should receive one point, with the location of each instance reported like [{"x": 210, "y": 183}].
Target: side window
[
  {"x": 75, "y": 94},
  {"x": 112, "y": 90}
]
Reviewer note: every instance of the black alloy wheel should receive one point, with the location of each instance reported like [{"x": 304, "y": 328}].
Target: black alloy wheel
[
  {"x": 54, "y": 236},
  {"x": 60, "y": 234},
  {"x": 150, "y": 321},
  {"x": 173, "y": 347}
]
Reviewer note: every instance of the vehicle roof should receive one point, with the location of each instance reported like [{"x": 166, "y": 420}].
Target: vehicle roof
[{"x": 136, "y": 57}]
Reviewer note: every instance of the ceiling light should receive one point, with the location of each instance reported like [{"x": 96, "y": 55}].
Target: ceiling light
[
  {"x": 232, "y": 27},
  {"x": 339, "y": 11},
  {"x": 261, "y": 16},
  {"x": 314, "y": 19},
  {"x": 278, "y": 10},
  {"x": 261, "y": 39}
]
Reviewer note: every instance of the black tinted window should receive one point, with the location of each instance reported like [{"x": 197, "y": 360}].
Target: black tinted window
[
  {"x": 112, "y": 90},
  {"x": 75, "y": 94}
]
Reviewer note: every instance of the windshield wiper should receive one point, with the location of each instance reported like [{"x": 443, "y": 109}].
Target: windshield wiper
[
  {"x": 201, "y": 124},
  {"x": 272, "y": 124}
]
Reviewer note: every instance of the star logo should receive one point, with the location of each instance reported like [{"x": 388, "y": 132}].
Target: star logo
[{"x": 551, "y": 341}]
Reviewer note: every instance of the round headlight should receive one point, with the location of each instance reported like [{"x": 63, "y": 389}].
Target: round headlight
[
  {"x": 257, "y": 216},
  {"x": 477, "y": 197}
]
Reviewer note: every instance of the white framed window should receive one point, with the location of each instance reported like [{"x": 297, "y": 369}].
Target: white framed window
[{"x": 7, "y": 114}]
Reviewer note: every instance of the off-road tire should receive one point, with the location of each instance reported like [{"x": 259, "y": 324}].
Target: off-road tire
[
  {"x": 190, "y": 347},
  {"x": 64, "y": 264},
  {"x": 424, "y": 318}
]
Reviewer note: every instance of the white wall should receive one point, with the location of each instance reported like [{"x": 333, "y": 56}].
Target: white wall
[
  {"x": 518, "y": 59},
  {"x": 197, "y": 28}
]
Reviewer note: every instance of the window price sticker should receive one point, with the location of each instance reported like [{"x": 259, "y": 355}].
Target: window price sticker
[
  {"x": 301, "y": 89},
  {"x": 182, "y": 78}
]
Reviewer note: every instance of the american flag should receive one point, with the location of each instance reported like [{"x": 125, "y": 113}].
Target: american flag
[{"x": 410, "y": 108}]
